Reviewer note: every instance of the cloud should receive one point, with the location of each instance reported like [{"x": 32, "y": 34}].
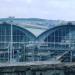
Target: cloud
[
  {"x": 29, "y": 1},
  {"x": 50, "y": 9}
]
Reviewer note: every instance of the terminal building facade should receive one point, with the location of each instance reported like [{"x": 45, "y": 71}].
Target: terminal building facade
[{"x": 22, "y": 53}]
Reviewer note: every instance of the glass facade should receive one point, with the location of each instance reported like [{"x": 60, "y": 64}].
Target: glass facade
[
  {"x": 13, "y": 41},
  {"x": 60, "y": 43},
  {"x": 19, "y": 45}
]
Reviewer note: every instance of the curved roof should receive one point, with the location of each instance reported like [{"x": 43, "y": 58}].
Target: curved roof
[
  {"x": 28, "y": 33},
  {"x": 49, "y": 31}
]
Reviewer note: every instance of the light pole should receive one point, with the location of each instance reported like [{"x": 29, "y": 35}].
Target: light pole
[{"x": 11, "y": 41}]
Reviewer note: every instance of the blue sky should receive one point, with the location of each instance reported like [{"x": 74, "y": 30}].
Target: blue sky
[{"x": 47, "y": 9}]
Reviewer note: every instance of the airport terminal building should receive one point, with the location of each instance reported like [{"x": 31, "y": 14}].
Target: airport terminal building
[{"x": 52, "y": 52}]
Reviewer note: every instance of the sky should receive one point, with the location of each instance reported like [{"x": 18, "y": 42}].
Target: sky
[{"x": 46, "y": 9}]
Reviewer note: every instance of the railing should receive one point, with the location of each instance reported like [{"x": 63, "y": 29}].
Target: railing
[{"x": 35, "y": 51}]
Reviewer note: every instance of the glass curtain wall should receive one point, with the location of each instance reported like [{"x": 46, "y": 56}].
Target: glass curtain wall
[
  {"x": 61, "y": 42},
  {"x": 14, "y": 42}
]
